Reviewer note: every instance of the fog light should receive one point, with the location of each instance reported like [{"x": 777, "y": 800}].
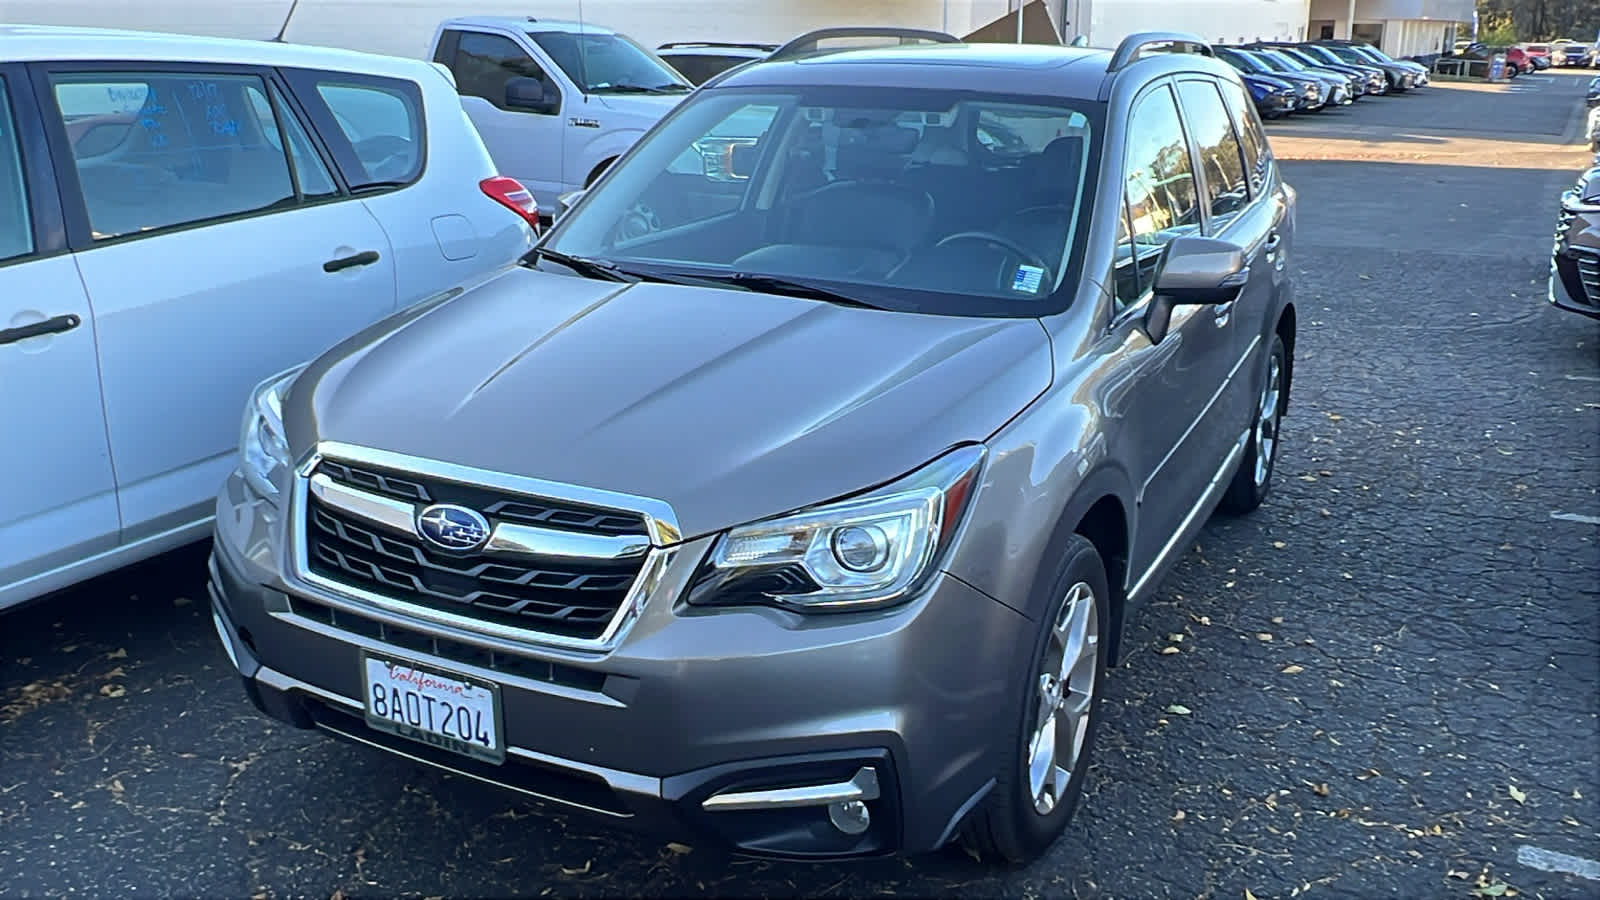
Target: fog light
[{"x": 850, "y": 816}]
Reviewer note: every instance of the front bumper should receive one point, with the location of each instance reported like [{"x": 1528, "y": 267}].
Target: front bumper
[
  {"x": 1574, "y": 282},
  {"x": 691, "y": 704}
]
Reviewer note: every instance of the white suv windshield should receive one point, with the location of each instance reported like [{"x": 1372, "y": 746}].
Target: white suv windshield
[
  {"x": 610, "y": 63},
  {"x": 921, "y": 199}
]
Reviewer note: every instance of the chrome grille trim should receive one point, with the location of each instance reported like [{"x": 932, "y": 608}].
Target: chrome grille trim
[{"x": 659, "y": 520}]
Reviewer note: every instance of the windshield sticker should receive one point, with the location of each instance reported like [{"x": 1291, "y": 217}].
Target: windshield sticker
[{"x": 1027, "y": 279}]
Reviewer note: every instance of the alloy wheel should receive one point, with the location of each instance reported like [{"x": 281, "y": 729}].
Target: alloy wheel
[
  {"x": 1267, "y": 420},
  {"x": 1066, "y": 686}
]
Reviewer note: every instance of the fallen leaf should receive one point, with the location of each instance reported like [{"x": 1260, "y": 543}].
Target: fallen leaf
[
  {"x": 119, "y": 653},
  {"x": 1308, "y": 478},
  {"x": 1277, "y": 620},
  {"x": 336, "y": 895},
  {"x": 1368, "y": 775},
  {"x": 583, "y": 870},
  {"x": 1169, "y": 650},
  {"x": 1179, "y": 816},
  {"x": 679, "y": 849},
  {"x": 1178, "y": 709},
  {"x": 69, "y": 648},
  {"x": 1292, "y": 670},
  {"x": 1279, "y": 544},
  {"x": 181, "y": 601},
  {"x": 1263, "y": 636},
  {"x": 1326, "y": 513},
  {"x": 1347, "y": 575},
  {"x": 1321, "y": 790},
  {"x": 1247, "y": 894},
  {"x": 116, "y": 786},
  {"x": 1335, "y": 417},
  {"x": 1516, "y": 794},
  {"x": 1175, "y": 638},
  {"x": 1369, "y": 277},
  {"x": 1205, "y": 620},
  {"x": 1576, "y": 795},
  {"x": 113, "y": 690}
]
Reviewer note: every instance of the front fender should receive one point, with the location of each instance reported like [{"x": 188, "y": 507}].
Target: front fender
[{"x": 601, "y": 147}]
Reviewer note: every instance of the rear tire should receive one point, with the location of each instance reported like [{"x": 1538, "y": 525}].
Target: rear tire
[
  {"x": 1253, "y": 481},
  {"x": 1037, "y": 790}
]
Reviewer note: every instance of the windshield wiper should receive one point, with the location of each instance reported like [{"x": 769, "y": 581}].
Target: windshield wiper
[
  {"x": 640, "y": 89},
  {"x": 583, "y": 265},
  {"x": 772, "y": 284}
]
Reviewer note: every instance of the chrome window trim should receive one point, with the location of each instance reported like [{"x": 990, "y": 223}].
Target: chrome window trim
[{"x": 660, "y": 523}]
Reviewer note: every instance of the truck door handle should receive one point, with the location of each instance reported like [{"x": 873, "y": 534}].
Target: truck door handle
[
  {"x": 1273, "y": 242},
  {"x": 364, "y": 258},
  {"x": 37, "y": 329}
]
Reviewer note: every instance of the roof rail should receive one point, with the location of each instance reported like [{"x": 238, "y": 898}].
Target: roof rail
[
  {"x": 731, "y": 45},
  {"x": 1130, "y": 50},
  {"x": 807, "y": 43}
]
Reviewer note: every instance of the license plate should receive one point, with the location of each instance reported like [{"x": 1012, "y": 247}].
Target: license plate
[{"x": 442, "y": 709}]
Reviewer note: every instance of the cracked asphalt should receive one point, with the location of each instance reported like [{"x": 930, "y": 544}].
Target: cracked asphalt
[{"x": 1391, "y": 670}]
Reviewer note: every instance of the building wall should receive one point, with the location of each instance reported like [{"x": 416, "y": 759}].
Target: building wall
[
  {"x": 1404, "y": 29},
  {"x": 1222, "y": 21}
]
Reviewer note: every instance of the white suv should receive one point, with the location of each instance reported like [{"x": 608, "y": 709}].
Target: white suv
[{"x": 181, "y": 218}]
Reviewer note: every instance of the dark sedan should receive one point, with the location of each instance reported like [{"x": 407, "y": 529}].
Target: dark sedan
[
  {"x": 1274, "y": 98},
  {"x": 1310, "y": 92},
  {"x": 1369, "y": 78},
  {"x": 1400, "y": 77},
  {"x": 1340, "y": 88}
]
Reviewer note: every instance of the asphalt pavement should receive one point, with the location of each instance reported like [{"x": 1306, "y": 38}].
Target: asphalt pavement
[{"x": 1391, "y": 671}]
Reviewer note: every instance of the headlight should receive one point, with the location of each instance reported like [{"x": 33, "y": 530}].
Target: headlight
[
  {"x": 263, "y": 448},
  {"x": 871, "y": 550}
]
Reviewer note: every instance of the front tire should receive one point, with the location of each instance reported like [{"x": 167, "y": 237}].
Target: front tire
[
  {"x": 1253, "y": 481},
  {"x": 1048, "y": 751}
]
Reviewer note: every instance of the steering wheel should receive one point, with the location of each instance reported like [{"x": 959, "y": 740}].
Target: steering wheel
[{"x": 1004, "y": 243}]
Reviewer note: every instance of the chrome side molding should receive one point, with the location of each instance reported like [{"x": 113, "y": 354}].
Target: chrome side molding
[{"x": 862, "y": 786}]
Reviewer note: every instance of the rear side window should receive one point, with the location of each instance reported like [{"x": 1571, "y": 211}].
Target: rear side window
[
  {"x": 1253, "y": 141},
  {"x": 384, "y": 127},
  {"x": 1220, "y": 160},
  {"x": 161, "y": 149},
  {"x": 16, "y": 228}
]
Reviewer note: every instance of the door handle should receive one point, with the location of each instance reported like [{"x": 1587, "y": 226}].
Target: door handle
[
  {"x": 364, "y": 258},
  {"x": 38, "y": 329},
  {"x": 1273, "y": 242}
]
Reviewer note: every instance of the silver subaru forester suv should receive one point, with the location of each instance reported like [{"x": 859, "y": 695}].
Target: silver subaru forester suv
[{"x": 794, "y": 495}]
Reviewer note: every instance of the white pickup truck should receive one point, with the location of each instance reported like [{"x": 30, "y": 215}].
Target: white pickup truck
[{"x": 555, "y": 102}]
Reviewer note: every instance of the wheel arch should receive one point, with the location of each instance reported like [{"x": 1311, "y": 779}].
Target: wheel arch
[
  {"x": 599, "y": 169},
  {"x": 1286, "y": 329},
  {"x": 1101, "y": 511}
]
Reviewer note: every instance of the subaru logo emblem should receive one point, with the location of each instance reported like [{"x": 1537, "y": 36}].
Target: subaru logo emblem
[{"x": 453, "y": 527}]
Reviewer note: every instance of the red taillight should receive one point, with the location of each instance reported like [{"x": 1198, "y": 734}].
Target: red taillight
[{"x": 510, "y": 193}]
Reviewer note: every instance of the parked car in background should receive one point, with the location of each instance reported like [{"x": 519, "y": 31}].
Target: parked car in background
[
  {"x": 1575, "y": 260},
  {"x": 699, "y": 61},
  {"x": 1591, "y": 98},
  {"x": 1274, "y": 98},
  {"x": 1368, "y": 78},
  {"x": 577, "y": 532},
  {"x": 556, "y": 102},
  {"x": 181, "y": 217},
  {"x": 1538, "y": 52},
  {"x": 1338, "y": 88},
  {"x": 1312, "y": 93},
  {"x": 1384, "y": 77},
  {"x": 1404, "y": 74}
]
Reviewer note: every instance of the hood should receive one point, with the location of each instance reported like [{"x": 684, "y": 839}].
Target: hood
[
  {"x": 1270, "y": 81},
  {"x": 646, "y": 108},
  {"x": 728, "y": 405}
]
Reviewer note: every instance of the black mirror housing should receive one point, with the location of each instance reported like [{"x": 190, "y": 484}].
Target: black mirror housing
[{"x": 528, "y": 94}]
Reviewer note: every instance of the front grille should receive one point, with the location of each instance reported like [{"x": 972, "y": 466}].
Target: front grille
[
  {"x": 526, "y": 510},
  {"x": 569, "y": 598},
  {"x": 1589, "y": 274},
  {"x": 455, "y": 651}
]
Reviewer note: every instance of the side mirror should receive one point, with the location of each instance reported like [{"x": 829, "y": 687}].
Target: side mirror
[
  {"x": 528, "y": 94},
  {"x": 1195, "y": 271},
  {"x": 1081, "y": 40},
  {"x": 742, "y": 160}
]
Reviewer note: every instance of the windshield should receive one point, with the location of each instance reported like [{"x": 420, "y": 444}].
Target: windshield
[
  {"x": 1244, "y": 61},
  {"x": 926, "y": 200},
  {"x": 1301, "y": 58},
  {"x": 610, "y": 63},
  {"x": 1275, "y": 63},
  {"x": 1324, "y": 54}
]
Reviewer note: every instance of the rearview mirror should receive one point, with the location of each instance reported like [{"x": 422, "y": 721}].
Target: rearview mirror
[
  {"x": 1194, "y": 271},
  {"x": 528, "y": 94}
]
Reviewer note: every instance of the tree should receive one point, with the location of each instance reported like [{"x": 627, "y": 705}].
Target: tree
[{"x": 1537, "y": 20}]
